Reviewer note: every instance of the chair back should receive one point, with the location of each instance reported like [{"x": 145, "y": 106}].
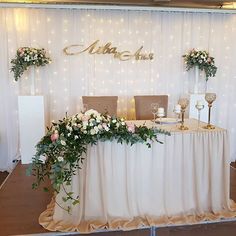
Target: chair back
[
  {"x": 102, "y": 104},
  {"x": 143, "y": 105}
]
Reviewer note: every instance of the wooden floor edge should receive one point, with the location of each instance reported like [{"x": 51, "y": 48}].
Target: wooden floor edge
[{"x": 10, "y": 173}]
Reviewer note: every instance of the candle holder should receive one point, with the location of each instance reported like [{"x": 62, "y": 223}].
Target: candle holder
[
  {"x": 84, "y": 108},
  {"x": 177, "y": 111},
  {"x": 199, "y": 107},
  {"x": 183, "y": 102},
  {"x": 210, "y": 98},
  {"x": 154, "y": 110}
]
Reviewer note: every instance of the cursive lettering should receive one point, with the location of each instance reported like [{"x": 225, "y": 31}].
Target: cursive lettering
[{"x": 95, "y": 48}]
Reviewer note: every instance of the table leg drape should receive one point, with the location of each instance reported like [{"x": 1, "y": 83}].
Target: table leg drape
[{"x": 184, "y": 180}]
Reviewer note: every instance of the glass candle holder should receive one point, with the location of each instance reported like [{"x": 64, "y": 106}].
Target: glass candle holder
[
  {"x": 160, "y": 114},
  {"x": 177, "y": 111},
  {"x": 84, "y": 108},
  {"x": 199, "y": 106},
  {"x": 154, "y": 109},
  {"x": 183, "y": 102},
  {"x": 210, "y": 98}
]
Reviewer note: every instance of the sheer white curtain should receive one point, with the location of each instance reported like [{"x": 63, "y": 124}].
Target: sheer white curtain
[
  {"x": 9, "y": 148},
  {"x": 167, "y": 34}
]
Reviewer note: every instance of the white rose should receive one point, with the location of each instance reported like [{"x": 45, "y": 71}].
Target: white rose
[
  {"x": 80, "y": 115},
  {"x": 96, "y": 129},
  {"x": 63, "y": 143},
  {"x": 100, "y": 126},
  {"x": 98, "y": 118},
  {"x": 60, "y": 159},
  {"x": 123, "y": 123},
  {"x": 92, "y": 131},
  {"x": 43, "y": 159},
  {"x": 85, "y": 123},
  {"x": 85, "y": 132},
  {"x": 117, "y": 125},
  {"x": 114, "y": 121},
  {"x": 107, "y": 128},
  {"x": 76, "y": 136},
  {"x": 91, "y": 112}
]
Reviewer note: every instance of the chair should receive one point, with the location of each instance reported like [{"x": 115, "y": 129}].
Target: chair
[
  {"x": 102, "y": 104},
  {"x": 143, "y": 105}
]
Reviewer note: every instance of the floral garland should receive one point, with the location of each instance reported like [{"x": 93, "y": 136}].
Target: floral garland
[
  {"x": 201, "y": 59},
  {"x": 59, "y": 153},
  {"x": 25, "y": 57}
]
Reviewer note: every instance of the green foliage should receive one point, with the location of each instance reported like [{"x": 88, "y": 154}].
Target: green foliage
[
  {"x": 59, "y": 154},
  {"x": 202, "y": 60},
  {"x": 25, "y": 57}
]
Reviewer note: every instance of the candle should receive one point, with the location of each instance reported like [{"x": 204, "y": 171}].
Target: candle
[
  {"x": 199, "y": 103},
  {"x": 160, "y": 111}
]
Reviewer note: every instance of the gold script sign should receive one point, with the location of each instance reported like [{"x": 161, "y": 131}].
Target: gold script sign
[{"x": 94, "y": 48}]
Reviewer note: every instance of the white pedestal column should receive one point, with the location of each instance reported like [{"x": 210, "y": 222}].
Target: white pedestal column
[
  {"x": 31, "y": 124},
  {"x": 193, "y": 112}
]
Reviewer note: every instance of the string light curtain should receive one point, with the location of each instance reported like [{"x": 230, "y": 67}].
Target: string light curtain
[{"x": 167, "y": 34}]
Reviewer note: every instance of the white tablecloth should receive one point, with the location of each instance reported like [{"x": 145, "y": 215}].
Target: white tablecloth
[{"x": 184, "y": 180}]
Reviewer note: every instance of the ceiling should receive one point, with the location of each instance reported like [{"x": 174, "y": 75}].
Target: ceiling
[{"x": 153, "y": 3}]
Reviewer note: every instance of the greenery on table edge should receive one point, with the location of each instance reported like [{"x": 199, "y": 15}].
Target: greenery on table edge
[
  {"x": 59, "y": 153},
  {"x": 27, "y": 56},
  {"x": 201, "y": 59}
]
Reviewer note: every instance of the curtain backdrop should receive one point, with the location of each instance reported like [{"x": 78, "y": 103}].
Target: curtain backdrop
[{"x": 167, "y": 34}]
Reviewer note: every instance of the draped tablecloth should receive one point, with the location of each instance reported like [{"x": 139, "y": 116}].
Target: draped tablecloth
[{"x": 184, "y": 180}]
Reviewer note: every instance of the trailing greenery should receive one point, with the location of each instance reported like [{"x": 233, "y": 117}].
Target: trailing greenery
[
  {"x": 201, "y": 59},
  {"x": 25, "y": 57},
  {"x": 59, "y": 153}
]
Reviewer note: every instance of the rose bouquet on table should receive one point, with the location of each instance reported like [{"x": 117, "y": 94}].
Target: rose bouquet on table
[
  {"x": 59, "y": 153},
  {"x": 201, "y": 59},
  {"x": 25, "y": 57}
]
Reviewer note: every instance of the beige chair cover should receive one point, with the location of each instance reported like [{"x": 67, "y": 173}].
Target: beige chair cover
[
  {"x": 143, "y": 105},
  {"x": 102, "y": 104}
]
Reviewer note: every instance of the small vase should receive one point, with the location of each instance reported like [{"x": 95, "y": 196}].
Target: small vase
[{"x": 198, "y": 82}]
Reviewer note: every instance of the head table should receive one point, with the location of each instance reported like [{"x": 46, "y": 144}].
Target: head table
[{"x": 184, "y": 180}]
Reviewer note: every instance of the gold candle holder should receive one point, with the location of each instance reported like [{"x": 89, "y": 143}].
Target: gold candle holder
[
  {"x": 183, "y": 102},
  {"x": 210, "y": 98}
]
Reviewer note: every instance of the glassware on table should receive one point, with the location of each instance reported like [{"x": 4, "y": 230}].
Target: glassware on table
[
  {"x": 199, "y": 106},
  {"x": 154, "y": 109},
  {"x": 210, "y": 98},
  {"x": 183, "y": 102},
  {"x": 84, "y": 108},
  {"x": 177, "y": 111},
  {"x": 160, "y": 114}
]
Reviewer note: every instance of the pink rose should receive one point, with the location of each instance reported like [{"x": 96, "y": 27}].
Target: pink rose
[
  {"x": 131, "y": 127},
  {"x": 54, "y": 137}
]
